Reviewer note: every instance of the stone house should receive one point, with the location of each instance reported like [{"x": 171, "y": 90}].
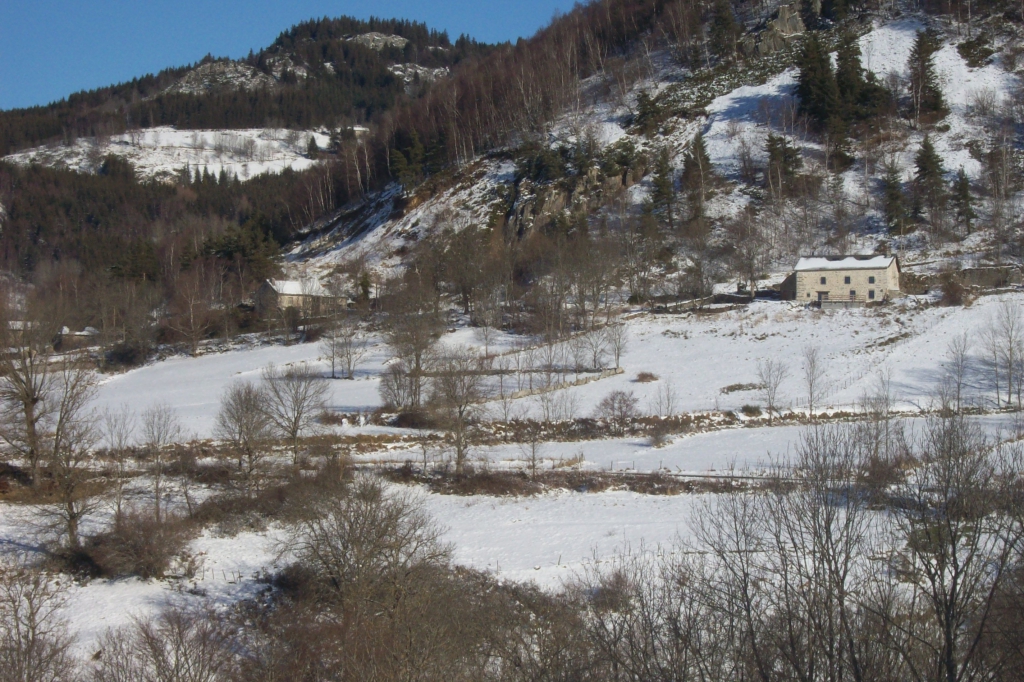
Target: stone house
[
  {"x": 846, "y": 281},
  {"x": 307, "y": 296}
]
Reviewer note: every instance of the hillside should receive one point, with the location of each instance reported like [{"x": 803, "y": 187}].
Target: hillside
[{"x": 500, "y": 380}]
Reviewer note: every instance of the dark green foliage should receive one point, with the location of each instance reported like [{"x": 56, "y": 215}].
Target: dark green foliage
[
  {"x": 977, "y": 51},
  {"x": 836, "y": 10},
  {"x": 893, "y": 204},
  {"x": 357, "y": 86},
  {"x": 697, "y": 175},
  {"x": 929, "y": 184},
  {"x": 783, "y": 162},
  {"x": 543, "y": 164},
  {"x": 312, "y": 149},
  {"x": 925, "y": 93},
  {"x": 725, "y": 30},
  {"x": 849, "y": 76},
  {"x": 620, "y": 158},
  {"x": 663, "y": 191},
  {"x": 407, "y": 159},
  {"x": 962, "y": 200},
  {"x": 650, "y": 114},
  {"x": 816, "y": 84}
]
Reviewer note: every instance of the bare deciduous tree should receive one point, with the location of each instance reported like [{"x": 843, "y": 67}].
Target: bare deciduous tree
[
  {"x": 35, "y": 644},
  {"x": 295, "y": 398},
  {"x": 243, "y": 422},
  {"x": 457, "y": 389},
  {"x": 617, "y": 336},
  {"x": 814, "y": 377},
  {"x": 771, "y": 372},
  {"x": 119, "y": 436},
  {"x": 160, "y": 429}
]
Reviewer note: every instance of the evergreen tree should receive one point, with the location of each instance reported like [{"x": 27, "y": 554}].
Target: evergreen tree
[
  {"x": 929, "y": 186},
  {"x": 893, "y": 205},
  {"x": 312, "y": 149},
  {"x": 724, "y": 29},
  {"x": 962, "y": 201},
  {"x": 849, "y": 76},
  {"x": 697, "y": 175},
  {"x": 836, "y": 10},
  {"x": 783, "y": 162},
  {"x": 816, "y": 84},
  {"x": 924, "y": 85},
  {"x": 663, "y": 192}
]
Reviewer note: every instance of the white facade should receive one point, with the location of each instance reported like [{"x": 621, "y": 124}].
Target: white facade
[{"x": 848, "y": 279}]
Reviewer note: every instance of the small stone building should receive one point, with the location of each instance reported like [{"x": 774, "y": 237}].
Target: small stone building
[
  {"x": 846, "y": 281},
  {"x": 280, "y": 294}
]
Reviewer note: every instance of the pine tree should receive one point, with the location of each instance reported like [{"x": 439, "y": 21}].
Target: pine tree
[
  {"x": 663, "y": 191},
  {"x": 924, "y": 85},
  {"x": 697, "y": 175},
  {"x": 816, "y": 84},
  {"x": 849, "y": 76},
  {"x": 724, "y": 30},
  {"x": 312, "y": 149},
  {"x": 836, "y": 10},
  {"x": 962, "y": 201},
  {"x": 929, "y": 186},
  {"x": 893, "y": 205},
  {"x": 783, "y": 161}
]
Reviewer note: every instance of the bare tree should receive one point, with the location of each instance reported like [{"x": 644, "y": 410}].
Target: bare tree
[
  {"x": 178, "y": 645},
  {"x": 343, "y": 345},
  {"x": 618, "y": 407},
  {"x": 35, "y": 644},
  {"x": 24, "y": 383},
  {"x": 956, "y": 543},
  {"x": 771, "y": 372},
  {"x": 457, "y": 388},
  {"x": 160, "y": 429},
  {"x": 119, "y": 435},
  {"x": 956, "y": 367},
  {"x": 665, "y": 401},
  {"x": 295, "y": 398},
  {"x": 617, "y": 336},
  {"x": 69, "y": 438},
  {"x": 412, "y": 337},
  {"x": 1009, "y": 332},
  {"x": 243, "y": 422},
  {"x": 596, "y": 342},
  {"x": 814, "y": 378}
]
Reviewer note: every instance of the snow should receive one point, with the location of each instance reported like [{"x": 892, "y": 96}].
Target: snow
[
  {"x": 290, "y": 287},
  {"x": 165, "y": 151},
  {"x": 847, "y": 263}
]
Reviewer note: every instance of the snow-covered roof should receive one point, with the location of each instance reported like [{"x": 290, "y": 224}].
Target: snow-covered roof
[
  {"x": 291, "y": 287},
  {"x": 844, "y": 263}
]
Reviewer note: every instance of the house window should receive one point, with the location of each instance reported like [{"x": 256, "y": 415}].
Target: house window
[
  {"x": 808, "y": 294},
  {"x": 871, "y": 280},
  {"x": 853, "y": 294},
  {"x": 822, "y": 280},
  {"x": 871, "y": 293},
  {"x": 846, "y": 280}
]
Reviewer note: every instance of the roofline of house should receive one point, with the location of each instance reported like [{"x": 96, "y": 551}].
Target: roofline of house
[{"x": 839, "y": 258}]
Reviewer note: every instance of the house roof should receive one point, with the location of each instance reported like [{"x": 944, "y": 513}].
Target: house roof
[
  {"x": 816, "y": 263},
  {"x": 291, "y": 287}
]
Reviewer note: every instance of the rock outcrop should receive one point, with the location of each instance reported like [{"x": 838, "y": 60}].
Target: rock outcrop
[{"x": 779, "y": 33}]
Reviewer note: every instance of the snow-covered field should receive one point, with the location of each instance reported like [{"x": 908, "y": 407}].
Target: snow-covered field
[{"x": 165, "y": 151}]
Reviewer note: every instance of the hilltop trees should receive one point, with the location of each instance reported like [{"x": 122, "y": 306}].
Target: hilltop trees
[
  {"x": 930, "y": 191},
  {"x": 697, "y": 177}
]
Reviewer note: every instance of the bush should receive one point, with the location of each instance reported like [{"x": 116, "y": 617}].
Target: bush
[
  {"x": 646, "y": 377},
  {"x": 953, "y": 290},
  {"x": 751, "y": 410},
  {"x": 138, "y": 545}
]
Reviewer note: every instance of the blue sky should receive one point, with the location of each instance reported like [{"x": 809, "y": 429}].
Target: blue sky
[{"x": 51, "y": 48}]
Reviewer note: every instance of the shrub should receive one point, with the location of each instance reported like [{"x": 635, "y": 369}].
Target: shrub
[
  {"x": 646, "y": 377},
  {"x": 751, "y": 410},
  {"x": 138, "y": 545},
  {"x": 618, "y": 407},
  {"x": 953, "y": 290}
]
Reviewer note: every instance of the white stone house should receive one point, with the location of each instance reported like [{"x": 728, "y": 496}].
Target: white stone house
[
  {"x": 844, "y": 281},
  {"x": 307, "y": 296}
]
